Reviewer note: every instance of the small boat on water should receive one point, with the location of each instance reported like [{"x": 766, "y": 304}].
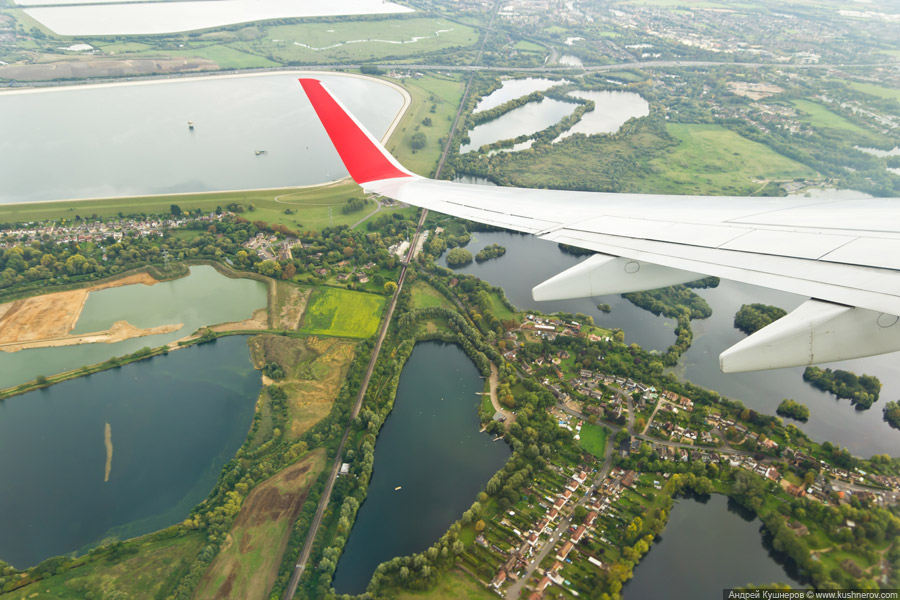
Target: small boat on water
[{"x": 398, "y": 488}]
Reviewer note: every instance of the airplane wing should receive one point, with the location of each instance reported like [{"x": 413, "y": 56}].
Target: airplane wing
[{"x": 844, "y": 254}]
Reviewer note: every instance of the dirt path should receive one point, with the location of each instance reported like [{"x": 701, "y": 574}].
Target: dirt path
[
  {"x": 494, "y": 381},
  {"x": 120, "y": 331}
]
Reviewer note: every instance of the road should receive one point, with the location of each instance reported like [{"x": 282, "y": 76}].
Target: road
[{"x": 515, "y": 590}]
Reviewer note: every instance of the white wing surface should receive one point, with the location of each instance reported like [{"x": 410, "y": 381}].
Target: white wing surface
[{"x": 844, "y": 254}]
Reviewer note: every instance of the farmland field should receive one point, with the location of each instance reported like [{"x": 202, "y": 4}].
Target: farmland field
[
  {"x": 342, "y": 313},
  {"x": 247, "y": 565}
]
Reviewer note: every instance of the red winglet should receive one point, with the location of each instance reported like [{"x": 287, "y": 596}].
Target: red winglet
[{"x": 363, "y": 155}]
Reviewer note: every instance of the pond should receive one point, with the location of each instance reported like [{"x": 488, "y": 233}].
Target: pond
[
  {"x": 510, "y": 89},
  {"x": 132, "y": 139},
  {"x": 120, "y": 453},
  {"x": 169, "y": 17},
  {"x": 205, "y": 297},
  {"x": 525, "y": 120},
  {"x": 708, "y": 545},
  {"x": 611, "y": 111},
  {"x": 430, "y": 463}
]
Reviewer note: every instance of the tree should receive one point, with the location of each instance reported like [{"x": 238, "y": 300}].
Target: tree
[
  {"x": 418, "y": 141},
  {"x": 458, "y": 257},
  {"x": 175, "y": 210},
  {"x": 479, "y": 526},
  {"x": 390, "y": 287}
]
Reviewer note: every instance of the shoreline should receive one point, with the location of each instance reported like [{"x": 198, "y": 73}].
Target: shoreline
[{"x": 404, "y": 94}]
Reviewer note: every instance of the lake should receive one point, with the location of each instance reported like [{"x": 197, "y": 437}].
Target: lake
[
  {"x": 132, "y": 139},
  {"x": 525, "y": 120},
  {"x": 173, "y": 421},
  {"x": 205, "y": 297},
  {"x": 708, "y": 545},
  {"x": 544, "y": 260},
  {"x": 170, "y": 17},
  {"x": 611, "y": 111},
  {"x": 530, "y": 261},
  {"x": 431, "y": 448},
  {"x": 510, "y": 89}
]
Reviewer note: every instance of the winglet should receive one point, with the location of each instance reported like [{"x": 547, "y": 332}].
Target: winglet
[{"x": 363, "y": 155}]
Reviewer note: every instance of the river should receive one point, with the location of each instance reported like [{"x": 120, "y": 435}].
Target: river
[
  {"x": 133, "y": 139},
  {"x": 864, "y": 433},
  {"x": 708, "y": 545},
  {"x": 431, "y": 449},
  {"x": 173, "y": 422},
  {"x": 205, "y": 297}
]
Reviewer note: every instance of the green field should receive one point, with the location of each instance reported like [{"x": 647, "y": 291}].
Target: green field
[
  {"x": 711, "y": 159},
  {"x": 342, "y": 313},
  {"x": 501, "y": 311},
  {"x": 593, "y": 439},
  {"x": 875, "y": 90},
  {"x": 423, "y": 296},
  {"x": 310, "y": 205},
  {"x": 818, "y": 116},
  {"x": 152, "y": 572},
  {"x": 454, "y": 585},
  {"x": 444, "y": 93},
  {"x": 355, "y": 41}
]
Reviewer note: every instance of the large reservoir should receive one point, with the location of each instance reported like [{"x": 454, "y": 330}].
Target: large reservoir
[{"x": 133, "y": 139}]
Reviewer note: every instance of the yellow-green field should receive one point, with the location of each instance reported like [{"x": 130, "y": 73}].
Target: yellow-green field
[
  {"x": 355, "y": 41},
  {"x": 310, "y": 206},
  {"x": 711, "y": 159},
  {"x": 247, "y": 565},
  {"x": 154, "y": 569},
  {"x": 342, "y": 313}
]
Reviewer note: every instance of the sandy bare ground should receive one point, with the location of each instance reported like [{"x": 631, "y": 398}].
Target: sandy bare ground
[
  {"x": 52, "y": 316},
  {"x": 119, "y": 332},
  {"x": 494, "y": 381},
  {"x": 258, "y": 322}
]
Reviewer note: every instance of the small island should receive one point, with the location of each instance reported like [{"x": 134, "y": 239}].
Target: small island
[
  {"x": 892, "y": 414},
  {"x": 861, "y": 390},
  {"x": 458, "y": 257},
  {"x": 750, "y": 318},
  {"x": 793, "y": 410},
  {"x": 489, "y": 252},
  {"x": 604, "y": 308}
]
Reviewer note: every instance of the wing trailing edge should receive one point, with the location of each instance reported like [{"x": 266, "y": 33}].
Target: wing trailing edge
[{"x": 843, "y": 252}]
